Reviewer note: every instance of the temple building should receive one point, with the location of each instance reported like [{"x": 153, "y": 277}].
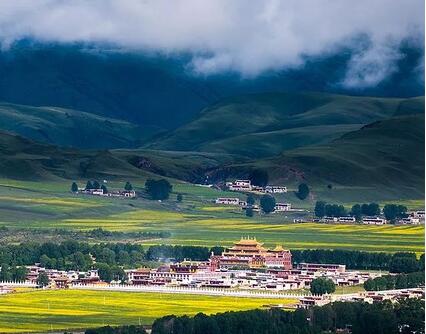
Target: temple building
[{"x": 249, "y": 253}]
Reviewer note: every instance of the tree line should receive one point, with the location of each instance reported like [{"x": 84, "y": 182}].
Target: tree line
[
  {"x": 401, "y": 262},
  {"x": 391, "y": 282},
  {"x": 390, "y": 211},
  {"x": 405, "y": 316},
  {"x": 156, "y": 189},
  {"x": 112, "y": 257}
]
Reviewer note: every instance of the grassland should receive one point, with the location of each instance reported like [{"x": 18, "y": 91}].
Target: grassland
[
  {"x": 44, "y": 310},
  {"x": 195, "y": 221}
]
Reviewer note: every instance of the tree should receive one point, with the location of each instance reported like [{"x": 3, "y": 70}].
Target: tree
[
  {"x": 96, "y": 185},
  {"x": 5, "y": 274},
  {"x": 128, "y": 186},
  {"x": 320, "y": 209},
  {"x": 249, "y": 212},
  {"x": 335, "y": 210},
  {"x": 19, "y": 273},
  {"x": 250, "y": 200},
  {"x": 356, "y": 212},
  {"x": 321, "y": 285},
  {"x": 74, "y": 187},
  {"x": 267, "y": 203},
  {"x": 303, "y": 191},
  {"x": 393, "y": 211},
  {"x": 259, "y": 177},
  {"x": 372, "y": 209},
  {"x": 104, "y": 188},
  {"x": 158, "y": 189},
  {"x": 89, "y": 185},
  {"x": 42, "y": 280},
  {"x": 179, "y": 197},
  {"x": 104, "y": 271}
]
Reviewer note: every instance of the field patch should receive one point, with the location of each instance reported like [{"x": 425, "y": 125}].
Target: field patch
[{"x": 44, "y": 310}]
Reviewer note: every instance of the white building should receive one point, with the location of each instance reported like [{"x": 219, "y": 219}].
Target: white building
[
  {"x": 409, "y": 221},
  {"x": 230, "y": 201},
  {"x": 373, "y": 221},
  {"x": 280, "y": 207},
  {"x": 240, "y": 185},
  {"x": 275, "y": 189},
  {"x": 347, "y": 219}
]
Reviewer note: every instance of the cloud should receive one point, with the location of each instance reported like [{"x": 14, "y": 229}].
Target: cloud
[{"x": 248, "y": 37}]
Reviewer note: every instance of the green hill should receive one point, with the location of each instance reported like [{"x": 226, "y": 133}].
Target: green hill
[
  {"x": 261, "y": 125},
  {"x": 70, "y": 128},
  {"x": 384, "y": 159},
  {"x": 25, "y": 159}
]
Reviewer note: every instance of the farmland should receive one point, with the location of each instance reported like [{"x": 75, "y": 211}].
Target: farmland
[
  {"x": 43, "y": 310},
  {"x": 194, "y": 221}
]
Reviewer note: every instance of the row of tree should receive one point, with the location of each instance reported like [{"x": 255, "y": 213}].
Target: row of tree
[
  {"x": 93, "y": 185},
  {"x": 405, "y": 316},
  {"x": 390, "y": 211},
  {"x": 156, "y": 189},
  {"x": 402, "y": 262},
  {"x": 400, "y": 281},
  {"x": 72, "y": 255}
]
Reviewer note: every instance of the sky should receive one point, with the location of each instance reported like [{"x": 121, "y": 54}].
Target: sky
[{"x": 243, "y": 36}]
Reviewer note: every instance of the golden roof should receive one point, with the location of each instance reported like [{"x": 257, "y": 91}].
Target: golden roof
[
  {"x": 248, "y": 242},
  {"x": 278, "y": 248}
]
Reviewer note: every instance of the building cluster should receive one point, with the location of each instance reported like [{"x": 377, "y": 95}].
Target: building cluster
[
  {"x": 110, "y": 193},
  {"x": 63, "y": 278},
  {"x": 366, "y": 297},
  {"x": 245, "y": 265},
  {"x": 245, "y": 185},
  {"x": 235, "y": 201},
  {"x": 413, "y": 218}
]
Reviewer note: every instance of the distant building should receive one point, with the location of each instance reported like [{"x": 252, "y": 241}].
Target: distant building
[
  {"x": 249, "y": 253},
  {"x": 347, "y": 219},
  {"x": 230, "y": 201},
  {"x": 279, "y": 207},
  {"x": 275, "y": 189},
  {"x": 341, "y": 268},
  {"x": 409, "y": 221},
  {"x": 240, "y": 185},
  {"x": 373, "y": 221}
]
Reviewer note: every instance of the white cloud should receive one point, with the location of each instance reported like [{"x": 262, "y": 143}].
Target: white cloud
[{"x": 227, "y": 35}]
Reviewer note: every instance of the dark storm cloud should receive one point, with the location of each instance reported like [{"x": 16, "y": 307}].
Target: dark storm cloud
[{"x": 229, "y": 35}]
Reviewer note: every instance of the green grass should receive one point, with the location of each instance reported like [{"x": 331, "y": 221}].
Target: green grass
[
  {"x": 276, "y": 122},
  {"x": 36, "y": 311},
  {"x": 195, "y": 221},
  {"x": 68, "y": 127}
]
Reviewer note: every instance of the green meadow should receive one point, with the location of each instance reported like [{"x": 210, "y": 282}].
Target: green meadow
[
  {"x": 46, "y": 310},
  {"x": 194, "y": 221}
]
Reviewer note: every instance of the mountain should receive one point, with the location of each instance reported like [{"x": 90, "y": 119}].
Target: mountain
[
  {"x": 162, "y": 91},
  {"x": 24, "y": 159},
  {"x": 71, "y": 128},
  {"x": 260, "y": 125},
  {"x": 385, "y": 158}
]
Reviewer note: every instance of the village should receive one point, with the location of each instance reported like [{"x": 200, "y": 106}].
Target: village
[
  {"x": 245, "y": 186},
  {"x": 245, "y": 268}
]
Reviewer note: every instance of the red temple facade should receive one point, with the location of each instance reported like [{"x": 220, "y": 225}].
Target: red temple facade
[{"x": 250, "y": 254}]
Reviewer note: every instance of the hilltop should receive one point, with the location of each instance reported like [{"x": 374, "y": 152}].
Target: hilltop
[{"x": 261, "y": 125}]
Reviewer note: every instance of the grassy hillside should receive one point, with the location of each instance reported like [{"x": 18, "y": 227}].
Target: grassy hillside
[
  {"x": 266, "y": 124},
  {"x": 71, "y": 128},
  {"x": 25, "y": 159},
  {"x": 385, "y": 159}
]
